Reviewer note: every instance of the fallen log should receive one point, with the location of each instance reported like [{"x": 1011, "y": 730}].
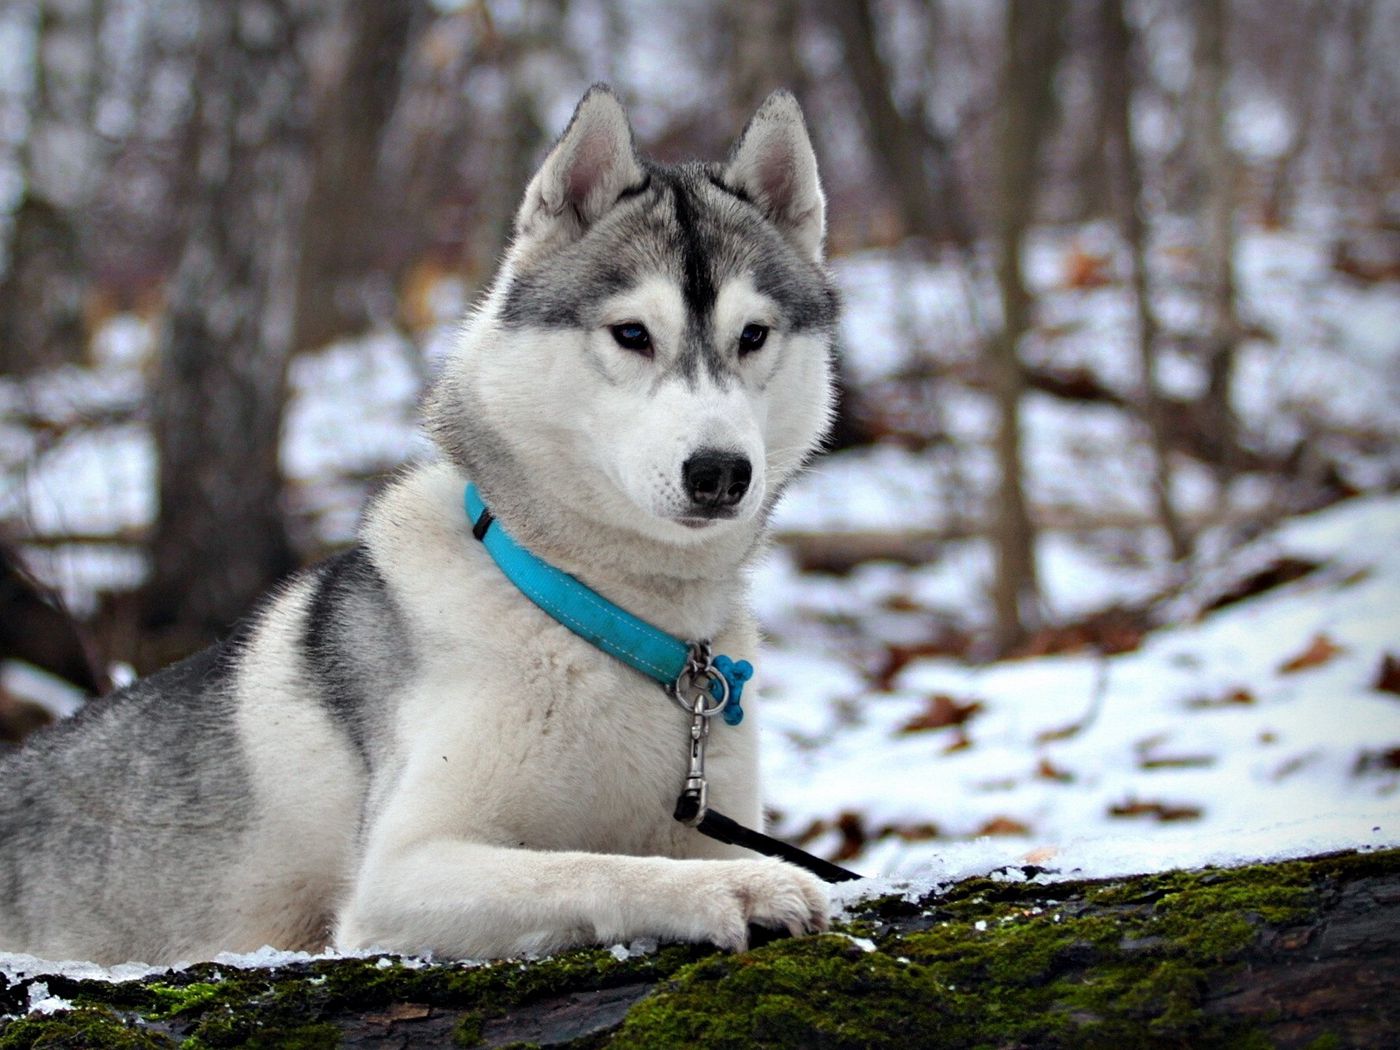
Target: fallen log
[
  {"x": 1300, "y": 953},
  {"x": 838, "y": 551}
]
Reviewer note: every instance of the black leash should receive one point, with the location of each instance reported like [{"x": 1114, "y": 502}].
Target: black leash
[
  {"x": 692, "y": 805},
  {"x": 718, "y": 826}
]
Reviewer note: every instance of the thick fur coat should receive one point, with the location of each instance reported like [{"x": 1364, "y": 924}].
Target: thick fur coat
[{"x": 398, "y": 750}]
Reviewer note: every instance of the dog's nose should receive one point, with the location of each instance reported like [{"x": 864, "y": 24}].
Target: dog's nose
[{"x": 716, "y": 479}]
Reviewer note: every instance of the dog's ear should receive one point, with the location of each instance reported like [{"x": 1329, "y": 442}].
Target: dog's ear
[
  {"x": 774, "y": 164},
  {"x": 590, "y": 166}
]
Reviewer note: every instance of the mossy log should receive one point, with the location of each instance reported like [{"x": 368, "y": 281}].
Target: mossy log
[{"x": 1303, "y": 953}]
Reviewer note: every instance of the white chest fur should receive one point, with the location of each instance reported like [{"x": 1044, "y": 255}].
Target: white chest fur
[{"x": 516, "y": 732}]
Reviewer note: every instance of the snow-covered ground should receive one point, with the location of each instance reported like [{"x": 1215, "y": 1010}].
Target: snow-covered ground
[
  {"x": 1198, "y": 746},
  {"x": 1201, "y": 746}
]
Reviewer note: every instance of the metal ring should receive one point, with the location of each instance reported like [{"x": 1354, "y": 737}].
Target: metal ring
[{"x": 701, "y": 704}]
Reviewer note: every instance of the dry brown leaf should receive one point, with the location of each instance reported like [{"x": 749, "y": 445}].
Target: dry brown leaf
[
  {"x": 920, "y": 832},
  {"x": 901, "y": 603},
  {"x": 1041, "y": 855},
  {"x": 1160, "y": 811},
  {"x": 1381, "y": 760},
  {"x": 1085, "y": 269},
  {"x": 1111, "y": 631},
  {"x": 1233, "y": 698},
  {"x": 1047, "y": 770},
  {"x": 1295, "y": 764},
  {"x": 1176, "y": 762},
  {"x": 1388, "y": 675},
  {"x": 1047, "y": 736},
  {"x": 940, "y": 712},
  {"x": 1004, "y": 826},
  {"x": 1149, "y": 756},
  {"x": 960, "y": 742},
  {"x": 1319, "y": 651}
]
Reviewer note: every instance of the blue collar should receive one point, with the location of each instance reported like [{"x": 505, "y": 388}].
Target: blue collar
[{"x": 682, "y": 668}]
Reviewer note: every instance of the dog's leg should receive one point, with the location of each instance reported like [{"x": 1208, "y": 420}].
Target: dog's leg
[{"x": 468, "y": 900}]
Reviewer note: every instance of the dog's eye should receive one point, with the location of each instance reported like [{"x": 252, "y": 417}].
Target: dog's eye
[
  {"x": 633, "y": 336},
  {"x": 752, "y": 337}
]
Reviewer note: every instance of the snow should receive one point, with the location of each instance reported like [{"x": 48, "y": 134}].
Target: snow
[
  {"x": 17, "y": 967},
  {"x": 59, "y": 697},
  {"x": 1281, "y": 771},
  {"x": 41, "y": 1002}
]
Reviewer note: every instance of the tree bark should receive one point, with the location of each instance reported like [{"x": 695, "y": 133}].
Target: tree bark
[
  {"x": 220, "y": 540},
  {"x": 46, "y": 281},
  {"x": 1117, "y": 93},
  {"x": 917, "y": 161},
  {"x": 1290, "y": 954},
  {"x": 1094, "y": 192},
  {"x": 345, "y": 276},
  {"x": 1218, "y": 218},
  {"x": 1033, "y": 44}
]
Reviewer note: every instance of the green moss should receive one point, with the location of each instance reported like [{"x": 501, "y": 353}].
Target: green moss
[
  {"x": 211, "y": 1007},
  {"x": 81, "y": 1029},
  {"x": 1004, "y": 964},
  {"x": 985, "y": 963},
  {"x": 820, "y": 992},
  {"x": 182, "y": 999},
  {"x": 467, "y": 1031}
]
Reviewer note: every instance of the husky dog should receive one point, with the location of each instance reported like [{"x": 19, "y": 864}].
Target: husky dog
[{"x": 399, "y": 750}]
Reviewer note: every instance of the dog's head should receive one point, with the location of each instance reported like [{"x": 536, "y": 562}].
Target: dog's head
[{"x": 656, "y": 350}]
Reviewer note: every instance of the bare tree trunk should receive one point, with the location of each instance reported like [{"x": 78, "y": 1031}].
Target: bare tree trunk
[
  {"x": 344, "y": 246},
  {"x": 1033, "y": 45},
  {"x": 1218, "y": 215},
  {"x": 1094, "y": 191},
  {"x": 1305, "y": 96},
  {"x": 1117, "y": 93},
  {"x": 219, "y": 538},
  {"x": 42, "y": 293},
  {"x": 527, "y": 132},
  {"x": 918, "y": 162}
]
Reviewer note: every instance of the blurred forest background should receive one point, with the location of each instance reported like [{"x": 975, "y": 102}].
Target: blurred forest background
[{"x": 1120, "y": 274}]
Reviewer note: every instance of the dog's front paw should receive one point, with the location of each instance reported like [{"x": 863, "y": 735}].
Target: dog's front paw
[{"x": 767, "y": 893}]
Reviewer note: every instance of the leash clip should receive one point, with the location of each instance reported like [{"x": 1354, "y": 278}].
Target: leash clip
[
  {"x": 708, "y": 685},
  {"x": 694, "y": 798}
]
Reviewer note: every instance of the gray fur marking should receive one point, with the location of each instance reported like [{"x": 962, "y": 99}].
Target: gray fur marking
[
  {"x": 357, "y": 645},
  {"x": 149, "y": 783}
]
